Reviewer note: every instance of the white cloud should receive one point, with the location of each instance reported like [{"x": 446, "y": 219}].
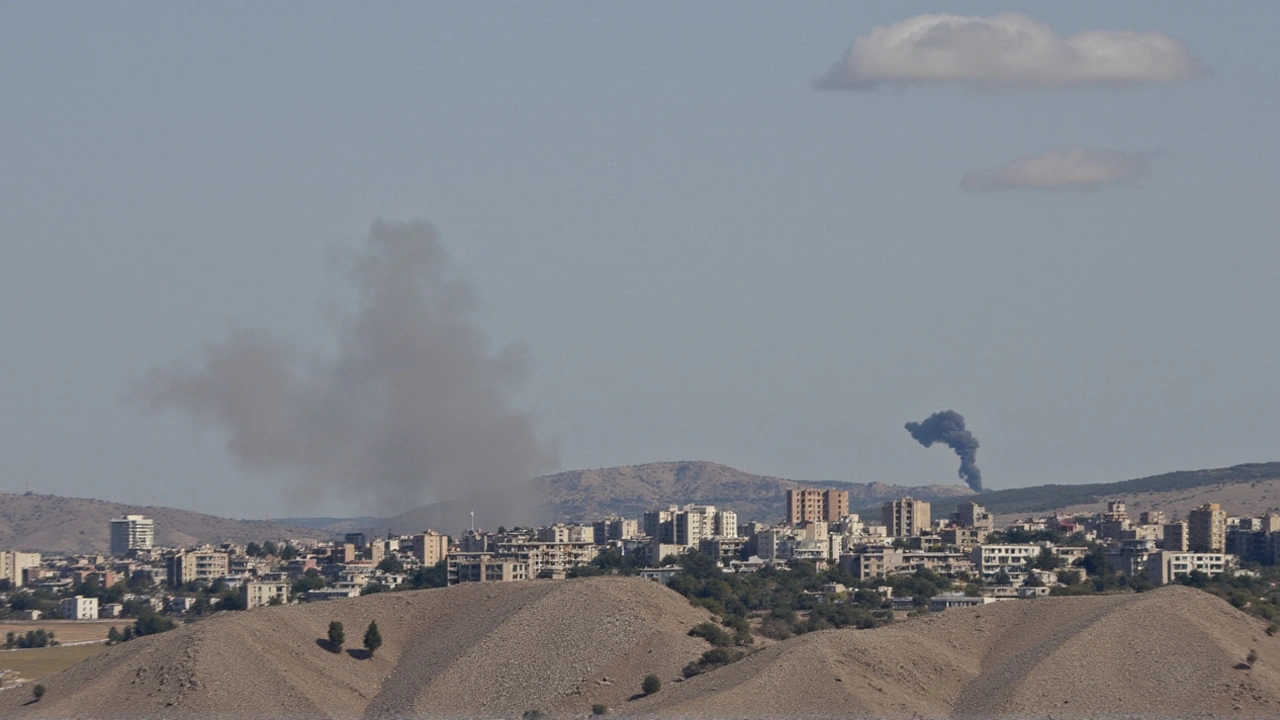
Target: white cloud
[
  {"x": 1060, "y": 169},
  {"x": 1007, "y": 51}
]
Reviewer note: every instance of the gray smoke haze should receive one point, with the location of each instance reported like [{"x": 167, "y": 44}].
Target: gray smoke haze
[
  {"x": 413, "y": 407},
  {"x": 948, "y": 427}
]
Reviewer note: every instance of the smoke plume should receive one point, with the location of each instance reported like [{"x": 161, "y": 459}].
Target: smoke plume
[
  {"x": 412, "y": 407},
  {"x": 948, "y": 427}
]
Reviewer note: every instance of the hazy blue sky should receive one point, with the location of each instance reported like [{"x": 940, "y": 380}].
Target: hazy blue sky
[{"x": 703, "y": 256}]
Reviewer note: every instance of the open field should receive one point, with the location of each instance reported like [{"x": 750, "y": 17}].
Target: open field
[
  {"x": 64, "y": 631},
  {"x": 36, "y": 663}
]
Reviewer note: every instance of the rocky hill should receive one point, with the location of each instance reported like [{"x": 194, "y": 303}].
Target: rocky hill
[
  {"x": 49, "y": 523},
  {"x": 501, "y": 650}
]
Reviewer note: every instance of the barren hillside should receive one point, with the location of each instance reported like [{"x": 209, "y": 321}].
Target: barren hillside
[
  {"x": 1238, "y": 498},
  {"x": 49, "y": 523},
  {"x": 491, "y": 650},
  {"x": 500, "y": 650},
  {"x": 1169, "y": 653}
]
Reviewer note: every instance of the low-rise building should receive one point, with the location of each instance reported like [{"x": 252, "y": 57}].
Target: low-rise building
[
  {"x": 947, "y": 601},
  {"x": 79, "y": 608},
  {"x": 201, "y": 565},
  {"x": 1164, "y": 567},
  {"x": 259, "y": 593}
]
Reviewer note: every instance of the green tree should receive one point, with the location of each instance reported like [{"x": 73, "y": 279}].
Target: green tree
[
  {"x": 391, "y": 564},
  {"x": 253, "y": 549},
  {"x": 372, "y": 638},
  {"x": 599, "y": 709},
  {"x": 37, "y": 692},
  {"x": 337, "y": 635},
  {"x": 1251, "y": 658},
  {"x": 113, "y": 636},
  {"x": 651, "y": 684},
  {"x": 430, "y": 577},
  {"x": 152, "y": 624}
]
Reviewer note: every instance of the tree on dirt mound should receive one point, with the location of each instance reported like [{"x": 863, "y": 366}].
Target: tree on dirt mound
[
  {"x": 651, "y": 684},
  {"x": 337, "y": 636},
  {"x": 38, "y": 692},
  {"x": 372, "y": 638}
]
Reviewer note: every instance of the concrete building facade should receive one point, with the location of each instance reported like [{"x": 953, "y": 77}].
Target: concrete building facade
[
  {"x": 132, "y": 532},
  {"x": 906, "y": 517},
  {"x": 810, "y": 505},
  {"x": 1207, "y": 529}
]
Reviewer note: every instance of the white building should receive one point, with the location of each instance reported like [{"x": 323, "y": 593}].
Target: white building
[
  {"x": 79, "y": 608},
  {"x": 132, "y": 532},
  {"x": 1164, "y": 567},
  {"x": 989, "y": 560}
]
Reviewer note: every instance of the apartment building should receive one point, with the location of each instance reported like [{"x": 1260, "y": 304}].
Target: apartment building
[
  {"x": 79, "y": 608},
  {"x": 548, "y": 559},
  {"x": 485, "y": 567},
  {"x": 989, "y": 560},
  {"x": 906, "y": 517},
  {"x": 201, "y": 565},
  {"x": 1207, "y": 529},
  {"x": 1164, "y": 567},
  {"x": 615, "y": 529},
  {"x": 12, "y": 565},
  {"x": 132, "y": 532},
  {"x": 260, "y": 593},
  {"x": 1176, "y": 538},
  {"x": 811, "y": 505},
  {"x": 562, "y": 533},
  {"x": 430, "y": 547},
  {"x": 973, "y": 516}
]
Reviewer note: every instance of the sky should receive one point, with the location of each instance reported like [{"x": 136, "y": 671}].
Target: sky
[{"x": 300, "y": 259}]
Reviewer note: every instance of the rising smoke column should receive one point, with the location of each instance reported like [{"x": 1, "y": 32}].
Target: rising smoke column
[
  {"x": 412, "y": 407},
  {"x": 948, "y": 427}
]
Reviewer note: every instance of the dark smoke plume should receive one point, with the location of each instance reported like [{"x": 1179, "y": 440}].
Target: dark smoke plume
[
  {"x": 948, "y": 427},
  {"x": 412, "y": 407}
]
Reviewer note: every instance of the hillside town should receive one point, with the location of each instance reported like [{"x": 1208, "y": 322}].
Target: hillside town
[{"x": 980, "y": 562}]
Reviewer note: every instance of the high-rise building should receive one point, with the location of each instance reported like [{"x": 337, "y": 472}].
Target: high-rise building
[
  {"x": 1207, "y": 529},
  {"x": 808, "y": 505},
  {"x": 430, "y": 547},
  {"x": 1175, "y": 537},
  {"x": 132, "y": 532},
  {"x": 906, "y": 517}
]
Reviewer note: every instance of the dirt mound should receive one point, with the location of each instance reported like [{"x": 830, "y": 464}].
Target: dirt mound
[
  {"x": 1174, "y": 652},
  {"x": 492, "y": 650}
]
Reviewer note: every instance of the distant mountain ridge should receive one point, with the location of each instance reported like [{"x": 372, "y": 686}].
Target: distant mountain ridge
[
  {"x": 54, "y": 524},
  {"x": 630, "y": 490}
]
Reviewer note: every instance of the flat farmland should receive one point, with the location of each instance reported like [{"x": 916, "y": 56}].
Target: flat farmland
[
  {"x": 64, "y": 631},
  {"x": 35, "y": 663}
]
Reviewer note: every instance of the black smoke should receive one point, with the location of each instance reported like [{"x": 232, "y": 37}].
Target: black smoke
[
  {"x": 948, "y": 427},
  {"x": 412, "y": 406}
]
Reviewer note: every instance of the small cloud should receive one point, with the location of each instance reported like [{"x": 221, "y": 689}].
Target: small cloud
[
  {"x": 1007, "y": 51},
  {"x": 1060, "y": 169}
]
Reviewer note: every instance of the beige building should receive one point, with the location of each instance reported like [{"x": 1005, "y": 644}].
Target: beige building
[
  {"x": 484, "y": 567},
  {"x": 201, "y": 565},
  {"x": 430, "y": 547},
  {"x": 808, "y": 505},
  {"x": 13, "y": 563},
  {"x": 260, "y": 593},
  {"x": 548, "y": 559},
  {"x": 974, "y": 516},
  {"x": 132, "y": 532},
  {"x": 906, "y": 517},
  {"x": 1207, "y": 529},
  {"x": 989, "y": 560}
]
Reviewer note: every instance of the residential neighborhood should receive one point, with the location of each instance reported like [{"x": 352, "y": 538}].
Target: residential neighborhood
[{"x": 972, "y": 560}]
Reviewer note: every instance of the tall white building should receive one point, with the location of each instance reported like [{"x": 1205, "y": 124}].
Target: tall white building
[{"x": 132, "y": 532}]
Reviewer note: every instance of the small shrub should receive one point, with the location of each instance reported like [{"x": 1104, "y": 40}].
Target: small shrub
[
  {"x": 712, "y": 633},
  {"x": 37, "y": 692},
  {"x": 534, "y": 715},
  {"x": 337, "y": 635},
  {"x": 1272, "y": 629},
  {"x": 776, "y": 629},
  {"x": 599, "y": 709},
  {"x": 651, "y": 684},
  {"x": 710, "y": 660},
  {"x": 1251, "y": 658}
]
